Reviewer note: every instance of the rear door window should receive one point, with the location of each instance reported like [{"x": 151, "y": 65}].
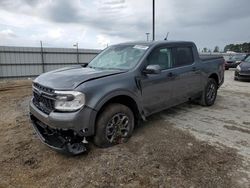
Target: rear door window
[{"x": 183, "y": 56}]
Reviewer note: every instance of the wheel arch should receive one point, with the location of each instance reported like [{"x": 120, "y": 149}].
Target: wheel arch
[
  {"x": 215, "y": 77},
  {"x": 121, "y": 98}
]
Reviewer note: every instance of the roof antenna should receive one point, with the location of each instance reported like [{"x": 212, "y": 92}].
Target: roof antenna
[{"x": 166, "y": 38}]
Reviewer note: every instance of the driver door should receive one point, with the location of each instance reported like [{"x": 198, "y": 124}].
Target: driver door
[{"x": 157, "y": 88}]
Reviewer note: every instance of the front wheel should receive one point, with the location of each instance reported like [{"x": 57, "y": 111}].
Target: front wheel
[
  {"x": 114, "y": 125},
  {"x": 210, "y": 93}
]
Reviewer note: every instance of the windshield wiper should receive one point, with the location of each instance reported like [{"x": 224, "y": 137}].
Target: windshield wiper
[
  {"x": 105, "y": 68},
  {"x": 91, "y": 67},
  {"x": 114, "y": 69}
]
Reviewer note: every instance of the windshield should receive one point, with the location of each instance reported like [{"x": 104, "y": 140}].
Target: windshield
[
  {"x": 247, "y": 59},
  {"x": 122, "y": 57},
  {"x": 237, "y": 57}
]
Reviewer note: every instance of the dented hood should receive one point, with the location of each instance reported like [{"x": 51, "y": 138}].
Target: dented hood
[{"x": 71, "y": 77}]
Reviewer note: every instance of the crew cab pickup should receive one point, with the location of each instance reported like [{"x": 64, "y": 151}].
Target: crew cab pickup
[{"x": 104, "y": 100}]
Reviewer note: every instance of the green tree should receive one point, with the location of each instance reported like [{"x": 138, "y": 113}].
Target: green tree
[
  {"x": 228, "y": 47},
  {"x": 244, "y": 47},
  {"x": 216, "y": 49},
  {"x": 204, "y": 50}
]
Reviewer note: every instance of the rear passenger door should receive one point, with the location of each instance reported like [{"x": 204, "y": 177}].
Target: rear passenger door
[{"x": 187, "y": 74}]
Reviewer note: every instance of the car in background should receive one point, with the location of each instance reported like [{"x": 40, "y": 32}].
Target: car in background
[
  {"x": 234, "y": 61},
  {"x": 247, "y": 55},
  {"x": 242, "y": 71}
]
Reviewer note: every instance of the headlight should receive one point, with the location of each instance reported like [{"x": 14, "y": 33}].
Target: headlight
[
  {"x": 69, "y": 100},
  {"x": 238, "y": 68}
]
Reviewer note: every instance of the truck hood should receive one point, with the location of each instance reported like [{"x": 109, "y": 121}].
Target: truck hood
[
  {"x": 245, "y": 66},
  {"x": 70, "y": 77}
]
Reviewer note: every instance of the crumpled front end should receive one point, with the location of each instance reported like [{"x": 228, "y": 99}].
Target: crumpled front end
[{"x": 65, "y": 141}]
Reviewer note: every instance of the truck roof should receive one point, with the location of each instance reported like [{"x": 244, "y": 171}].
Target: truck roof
[{"x": 153, "y": 43}]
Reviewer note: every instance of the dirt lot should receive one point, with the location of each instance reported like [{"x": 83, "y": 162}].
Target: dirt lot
[{"x": 185, "y": 146}]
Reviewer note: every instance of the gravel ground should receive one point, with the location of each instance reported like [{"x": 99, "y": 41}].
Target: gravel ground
[{"x": 185, "y": 146}]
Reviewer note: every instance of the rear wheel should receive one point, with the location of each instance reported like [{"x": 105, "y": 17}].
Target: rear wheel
[
  {"x": 210, "y": 93},
  {"x": 114, "y": 125}
]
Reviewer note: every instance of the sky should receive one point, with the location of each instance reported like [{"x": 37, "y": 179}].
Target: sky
[{"x": 98, "y": 23}]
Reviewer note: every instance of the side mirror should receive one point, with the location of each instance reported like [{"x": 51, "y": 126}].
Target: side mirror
[
  {"x": 84, "y": 64},
  {"x": 152, "y": 69}
]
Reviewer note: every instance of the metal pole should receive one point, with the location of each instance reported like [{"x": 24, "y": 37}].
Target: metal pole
[
  {"x": 41, "y": 44},
  {"x": 147, "y": 36},
  {"x": 78, "y": 61},
  {"x": 77, "y": 52},
  {"x": 153, "y": 20}
]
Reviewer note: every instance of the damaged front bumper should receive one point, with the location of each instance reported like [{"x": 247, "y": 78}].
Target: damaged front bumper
[{"x": 65, "y": 141}]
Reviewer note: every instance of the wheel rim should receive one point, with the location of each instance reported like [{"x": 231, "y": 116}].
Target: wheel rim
[
  {"x": 211, "y": 92},
  {"x": 117, "y": 128}
]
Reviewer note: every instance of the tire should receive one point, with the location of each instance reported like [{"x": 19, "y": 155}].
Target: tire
[
  {"x": 226, "y": 68},
  {"x": 235, "y": 78},
  {"x": 210, "y": 93},
  {"x": 114, "y": 125}
]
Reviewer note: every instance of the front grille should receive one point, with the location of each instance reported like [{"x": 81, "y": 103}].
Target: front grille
[
  {"x": 42, "y": 88},
  {"x": 244, "y": 76},
  {"x": 43, "y": 98},
  {"x": 245, "y": 72}
]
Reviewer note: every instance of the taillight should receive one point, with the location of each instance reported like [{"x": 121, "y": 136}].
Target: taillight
[{"x": 224, "y": 65}]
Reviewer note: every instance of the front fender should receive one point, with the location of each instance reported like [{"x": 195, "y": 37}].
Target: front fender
[{"x": 117, "y": 93}]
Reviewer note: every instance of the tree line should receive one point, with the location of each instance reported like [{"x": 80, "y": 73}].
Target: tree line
[
  {"x": 240, "y": 48},
  {"x": 245, "y": 47},
  {"x": 216, "y": 49}
]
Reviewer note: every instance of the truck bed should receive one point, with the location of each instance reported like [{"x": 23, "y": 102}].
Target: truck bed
[{"x": 210, "y": 57}]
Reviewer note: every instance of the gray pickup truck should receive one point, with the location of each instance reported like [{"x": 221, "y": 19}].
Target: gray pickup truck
[{"x": 104, "y": 100}]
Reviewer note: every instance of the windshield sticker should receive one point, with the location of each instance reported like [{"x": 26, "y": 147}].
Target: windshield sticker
[{"x": 140, "y": 47}]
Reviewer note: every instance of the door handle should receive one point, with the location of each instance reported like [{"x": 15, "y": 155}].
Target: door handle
[
  {"x": 195, "y": 70},
  {"x": 170, "y": 75}
]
